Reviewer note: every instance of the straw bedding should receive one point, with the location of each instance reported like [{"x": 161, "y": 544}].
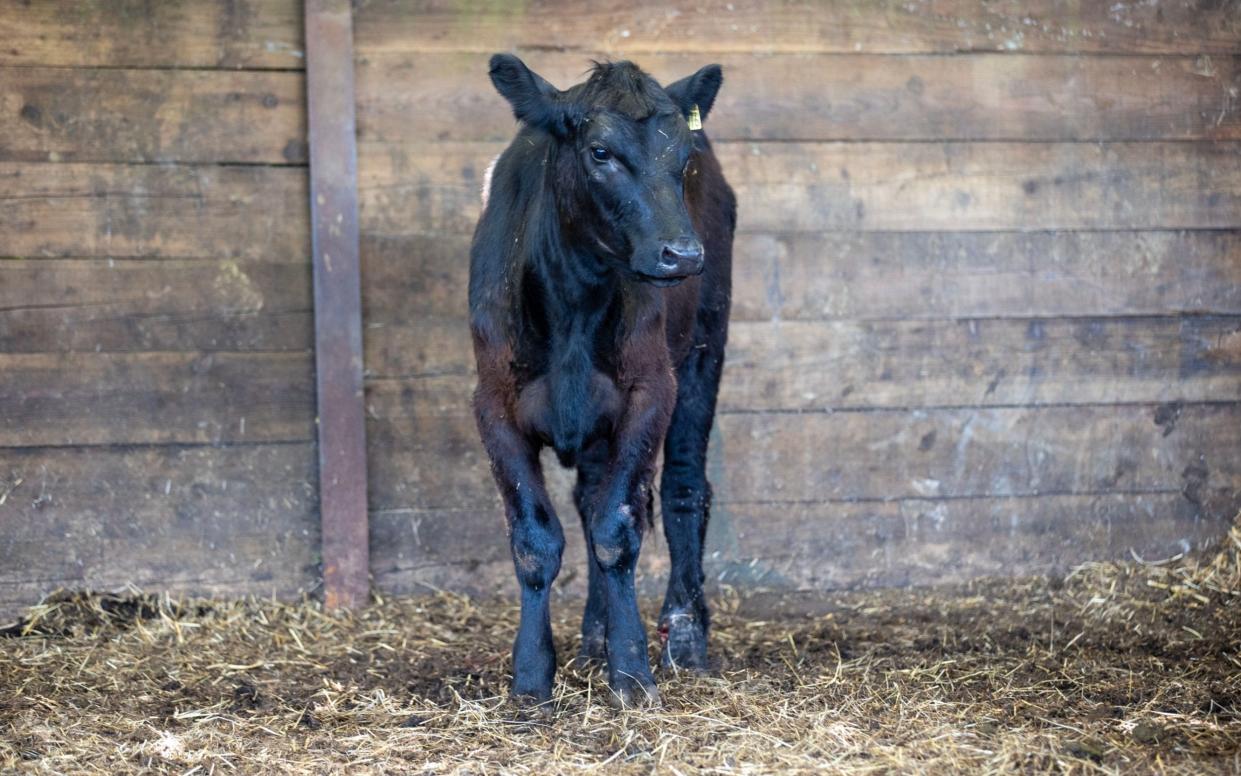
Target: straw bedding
[{"x": 1117, "y": 668}]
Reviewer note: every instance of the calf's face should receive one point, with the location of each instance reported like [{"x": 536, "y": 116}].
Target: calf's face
[
  {"x": 635, "y": 173},
  {"x": 626, "y": 150}
]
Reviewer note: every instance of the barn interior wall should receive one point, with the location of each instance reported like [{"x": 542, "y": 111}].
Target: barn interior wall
[
  {"x": 988, "y": 280},
  {"x": 157, "y": 402},
  {"x": 987, "y": 310}
]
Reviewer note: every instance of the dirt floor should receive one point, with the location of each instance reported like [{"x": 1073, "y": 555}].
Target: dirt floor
[{"x": 1118, "y": 668}]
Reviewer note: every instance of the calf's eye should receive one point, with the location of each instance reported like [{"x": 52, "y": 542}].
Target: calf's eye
[{"x": 600, "y": 154}]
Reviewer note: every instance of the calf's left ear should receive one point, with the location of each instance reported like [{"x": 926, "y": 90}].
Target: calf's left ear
[
  {"x": 534, "y": 100},
  {"x": 698, "y": 90}
]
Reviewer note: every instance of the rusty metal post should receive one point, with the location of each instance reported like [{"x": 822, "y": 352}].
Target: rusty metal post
[{"x": 338, "y": 301}]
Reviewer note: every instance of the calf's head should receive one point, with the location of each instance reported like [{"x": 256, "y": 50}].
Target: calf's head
[{"x": 623, "y": 151}]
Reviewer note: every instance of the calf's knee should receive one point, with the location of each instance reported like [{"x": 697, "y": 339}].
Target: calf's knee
[
  {"x": 536, "y": 553},
  {"x": 615, "y": 538}
]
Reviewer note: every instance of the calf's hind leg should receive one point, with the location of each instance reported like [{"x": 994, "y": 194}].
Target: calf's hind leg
[
  {"x": 591, "y": 470},
  {"x": 685, "y": 499}
]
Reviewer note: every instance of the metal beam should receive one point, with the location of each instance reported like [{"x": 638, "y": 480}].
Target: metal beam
[{"x": 338, "y": 301}]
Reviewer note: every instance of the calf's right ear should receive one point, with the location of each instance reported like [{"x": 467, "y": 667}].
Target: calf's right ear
[
  {"x": 534, "y": 100},
  {"x": 697, "y": 91}
]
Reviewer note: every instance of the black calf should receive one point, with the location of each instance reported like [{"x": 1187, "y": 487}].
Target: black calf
[{"x": 599, "y": 287}]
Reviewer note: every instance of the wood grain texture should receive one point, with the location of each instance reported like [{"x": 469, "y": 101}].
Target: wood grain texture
[
  {"x": 155, "y": 398},
  {"x": 824, "y": 366},
  {"x": 948, "y": 357},
  {"x": 901, "y": 452},
  {"x": 821, "y": 546},
  {"x": 836, "y": 26},
  {"x": 805, "y": 187},
  {"x": 225, "y": 521},
  {"x": 89, "y": 115},
  {"x": 794, "y": 365},
  {"x": 968, "y": 339},
  {"x": 923, "y": 542},
  {"x": 340, "y": 426},
  {"x": 987, "y": 186},
  {"x": 170, "y": 33},
  {"x": 419, "y": 97},
  {"x": 979, "y": 452},
  {"x": 409, "y": 279},
  {"x": 995, "y": 274},
  {"x": 429, "y": 347},
  {"x": 58, "y": 305},
  {"x": 111, "y": 210}
]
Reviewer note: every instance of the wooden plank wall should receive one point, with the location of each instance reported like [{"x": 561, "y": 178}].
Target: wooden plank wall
[
  {"x": 157, "y": 405},
  {"x": 987, "y": 315}
]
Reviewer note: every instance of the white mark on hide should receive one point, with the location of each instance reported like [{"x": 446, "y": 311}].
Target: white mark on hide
[{"x": 491, "y": 168}]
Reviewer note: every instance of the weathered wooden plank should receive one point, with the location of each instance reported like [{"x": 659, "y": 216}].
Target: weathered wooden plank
[
  {"x": 151, "y": 398},
  {"x": 801, "y": 187},
  {"x": 82, "y": 210},
  {"x": 413, "y": 428},
  {"x": 54, "y": 305},
  {"x": 842, "y": 364},
  {"x": 881, "y": 275},
  {"x": 61, "y": 114},
  {"x": 412, "y": 97},
  {"x": 338, "y": 302},
  {"x": 975, "y": 452},
  {"x": 211, "y": 521},
  {"x": 905, "y": 452},
  {"x": 793, "y": 365},
  {"x": 401, "y": 271},
  {"x": 922, "y": 542},
  {"x": 430, "y": 346},
  {"x": 713, "y": 26},
  {"x": 821, "y": 546},
  {"x": 995, "y": 274},
  {"x": 135, "y": 33}
]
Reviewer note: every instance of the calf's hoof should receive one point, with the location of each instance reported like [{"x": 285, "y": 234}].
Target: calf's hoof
[
  {"x": 530, "y": 707},
  {"x": 536, "y": 701},
  {"x": 594, "y": 646},
  {"x": 528, "y": 693},
  {"x": 685, "y": 643},
  {"x": 634, "y": 692}
]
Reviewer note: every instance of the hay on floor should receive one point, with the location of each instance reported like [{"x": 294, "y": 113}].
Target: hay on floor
[{"x": 1118, "y": 668}]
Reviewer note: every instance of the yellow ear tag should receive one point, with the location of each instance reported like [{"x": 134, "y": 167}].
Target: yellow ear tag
[{"x": 695, "y": 118}]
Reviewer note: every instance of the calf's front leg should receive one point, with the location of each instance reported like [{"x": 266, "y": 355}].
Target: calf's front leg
[
  {"x": 536, "y": 540},
  {"x": 616, "y": 535}
]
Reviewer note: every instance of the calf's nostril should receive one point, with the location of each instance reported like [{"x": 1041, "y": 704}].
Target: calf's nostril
[{"x": 681, "y": 253}]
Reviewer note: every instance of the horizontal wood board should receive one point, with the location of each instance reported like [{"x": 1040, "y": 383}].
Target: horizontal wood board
[
  {"x": 834, "y": 26},
  {"x": 124, "y": 115},
  {"x": 250, "y": 34},
  {"x": 226, "y": 521},
  {"x": 411, "y": 188},
  {"x": 441, "y": 96}
]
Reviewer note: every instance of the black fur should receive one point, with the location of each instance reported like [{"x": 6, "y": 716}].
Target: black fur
[{"x": 599, "y": 295}]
